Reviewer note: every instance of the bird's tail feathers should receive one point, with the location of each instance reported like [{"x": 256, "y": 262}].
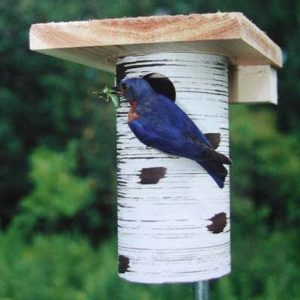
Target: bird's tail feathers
[
  {"x": 223, "y": 158},
  {"x": 216, "y": 170},
  {"x": 209, "y": 154}
]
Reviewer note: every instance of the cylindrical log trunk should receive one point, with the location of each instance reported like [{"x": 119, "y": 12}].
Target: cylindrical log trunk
[{"x": 173, "y": 219}]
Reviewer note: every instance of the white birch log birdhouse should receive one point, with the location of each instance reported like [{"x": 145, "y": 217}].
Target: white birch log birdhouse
[{"x": 173, "y": 219}]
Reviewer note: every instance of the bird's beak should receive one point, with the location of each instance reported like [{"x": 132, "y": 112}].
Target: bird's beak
[{"x": 118, "y": 90}]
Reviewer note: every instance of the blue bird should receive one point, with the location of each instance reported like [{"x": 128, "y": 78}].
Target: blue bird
[{"x": 159, "y": 123}]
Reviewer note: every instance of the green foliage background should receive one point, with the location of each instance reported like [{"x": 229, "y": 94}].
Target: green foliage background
[{"x": 57, "y": 165}]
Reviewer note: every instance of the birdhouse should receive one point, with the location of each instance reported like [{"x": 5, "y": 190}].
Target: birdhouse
[{"x": 173, "y": 219}]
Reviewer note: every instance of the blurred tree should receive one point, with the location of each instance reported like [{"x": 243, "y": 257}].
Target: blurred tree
[
  {"x": 270, "y": 164},
  {"x": 57, "y": 192},
  {"x": 48, "y": 102}
]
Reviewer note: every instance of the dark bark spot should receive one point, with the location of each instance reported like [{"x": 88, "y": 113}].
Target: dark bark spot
[
  {"x": 123, "y": 263},
  {"x": 152, "y": 175},
  {"x": 218, "y": 224}
]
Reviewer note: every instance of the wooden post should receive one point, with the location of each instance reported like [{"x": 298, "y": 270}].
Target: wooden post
[{"x": 173, "y": 221}]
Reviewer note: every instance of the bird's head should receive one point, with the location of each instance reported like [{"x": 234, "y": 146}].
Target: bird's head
[{"x": 135, "y": 89}]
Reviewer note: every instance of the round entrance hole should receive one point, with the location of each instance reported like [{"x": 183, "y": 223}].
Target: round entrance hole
[{"x": 161, "y": 84}]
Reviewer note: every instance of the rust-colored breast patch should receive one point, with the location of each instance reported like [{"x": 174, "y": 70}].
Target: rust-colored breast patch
[{"x": 132, "y": 114}]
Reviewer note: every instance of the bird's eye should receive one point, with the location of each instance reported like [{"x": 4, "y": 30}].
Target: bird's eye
[{"x": 124, "y": 86}]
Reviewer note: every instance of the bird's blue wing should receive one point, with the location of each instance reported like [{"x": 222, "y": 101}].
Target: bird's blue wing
[
  {"x": 156, "y": 133},
  {"x": 177, "y": 118}
]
